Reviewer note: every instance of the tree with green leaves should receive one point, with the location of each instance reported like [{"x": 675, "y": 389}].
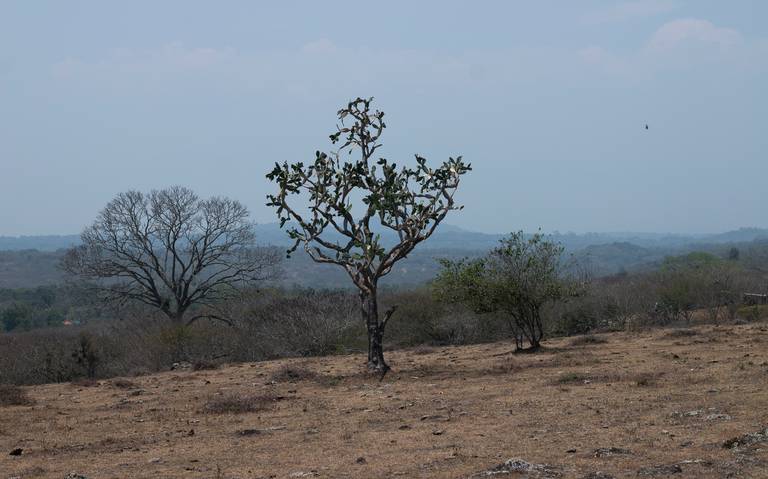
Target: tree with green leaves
[
  {"x": 352, "y": 197},
  {"x": 518, "y": 279}
]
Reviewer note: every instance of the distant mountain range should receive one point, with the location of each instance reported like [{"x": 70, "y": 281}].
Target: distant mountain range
[
  {"x": 449, "y": 237},
  {"x": 30, "y": 261}
]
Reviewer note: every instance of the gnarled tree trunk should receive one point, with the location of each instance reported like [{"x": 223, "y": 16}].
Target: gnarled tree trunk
[{"x": 375, "y": 328}]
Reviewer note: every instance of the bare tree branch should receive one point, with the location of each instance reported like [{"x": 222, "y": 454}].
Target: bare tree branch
[{"x": 171, "y": 250}]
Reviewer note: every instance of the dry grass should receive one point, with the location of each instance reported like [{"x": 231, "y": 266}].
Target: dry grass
[
  {"x": 122, "y": 383},
  {"x": 85, "y": 383},
  {"x": 682, "y": 333},
  {"x": 588, "y": 339},
  {"x": 14, "y": 396},
  {"x": 422, "y": 350},
  {"x": 449, "y": 413},
  {"x": 235, "y": 403},
  {"x": 636, "y": 378},
  {"x": 293, "y": 373},
  {"x": 204, "y": 365}
]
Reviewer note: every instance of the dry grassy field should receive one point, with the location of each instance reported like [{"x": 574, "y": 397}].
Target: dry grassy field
[{"x": 666, "y": 403}]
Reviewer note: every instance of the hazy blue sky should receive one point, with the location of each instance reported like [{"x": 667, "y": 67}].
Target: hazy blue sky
[{"x": 548, "y": 100}]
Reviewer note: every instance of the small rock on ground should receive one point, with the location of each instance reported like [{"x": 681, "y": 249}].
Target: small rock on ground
[
  {"x": 611, "y": 451},
  {"x": 525, "y": 468},
  {"x": 660, "y": 471},
  {"x": 747, "y": 439},
  {"x": 598, "y": 475}
]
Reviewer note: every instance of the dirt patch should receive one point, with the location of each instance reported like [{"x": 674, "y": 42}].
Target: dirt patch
[{"x": 234, "y": 403}]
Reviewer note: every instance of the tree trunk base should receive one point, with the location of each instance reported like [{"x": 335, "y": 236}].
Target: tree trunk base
[
  {"x": 378, "y": 368},
  {"x": 528, "y": 350}
]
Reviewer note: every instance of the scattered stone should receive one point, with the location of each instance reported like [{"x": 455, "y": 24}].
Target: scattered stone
[
  {"x": 438, "y": 432},
  {"x": 304, "y": 474},
  {"x": 155, "y": 460},
  {"x": 571, "y": 451},
  {"x": 663, "y": 470},
  {"x": 181, "y": 365},
  {"x": 598, "y": 475},
  {"x": 715, "y": 417},
  {"x": 519, "y": 466},
  {"x": 404, "y": 427},
  {"x": 191, "y": 433},
  {"x": 434, "y": 417},
  {"x": 249, "y": 432},
  {"x": 16, "y": 452},
  {"x": 74, "y": 475},
  {"x": 360, "y": 460},
  {"x": 611, "y": 451},
  {"x": 686, "y": 444},
  {"x": 701, "y": 462},
  {"x": 747, "y": 439}
]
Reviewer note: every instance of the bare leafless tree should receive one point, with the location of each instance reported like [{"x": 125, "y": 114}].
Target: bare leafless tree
[
  {"x": 410, "y": 202},
  {"x": 173, "y": 251}
]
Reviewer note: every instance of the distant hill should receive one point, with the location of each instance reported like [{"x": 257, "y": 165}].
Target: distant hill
[
  {"x": 41, "y": 243},
  {"x": 30, "y": 261},
  {"x": 612, "y": 258},
  {"x": 449, "y": 237}
]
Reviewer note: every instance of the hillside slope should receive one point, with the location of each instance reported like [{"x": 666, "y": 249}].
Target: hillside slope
[{"x": 638, "y": 405}]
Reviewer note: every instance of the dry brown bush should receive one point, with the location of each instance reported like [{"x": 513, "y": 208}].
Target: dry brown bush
[
  {"x": 588, "y": 339},
  {"x": 14, "y": 396},
  {"x": 681, "y": 333},
  {"x": 293, "y": 373},
  {"x": 122, "y": 383}
]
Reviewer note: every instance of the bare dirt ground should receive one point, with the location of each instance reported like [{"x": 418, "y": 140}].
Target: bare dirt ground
[{"x": 655, "y": 404}]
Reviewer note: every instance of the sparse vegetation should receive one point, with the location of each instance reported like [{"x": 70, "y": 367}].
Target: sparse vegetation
[
  {"x": 682, "y": 333},
  {"x": 588, "y": 339},
  {"x": 122, "y": 383},
  {"x": 754, "y": 312},
  {"x": 11, "y": 395},
  {"x": 293, "y": 373}
]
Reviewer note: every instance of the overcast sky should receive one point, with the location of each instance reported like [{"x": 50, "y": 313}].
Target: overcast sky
[{"x": 547, "y": 100}]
